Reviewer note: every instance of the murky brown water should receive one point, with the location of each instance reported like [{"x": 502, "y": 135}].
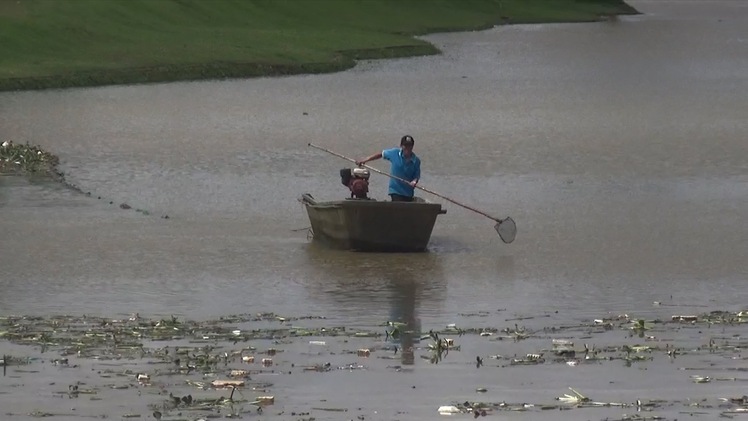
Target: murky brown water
[{"x": 618, "y": 147}]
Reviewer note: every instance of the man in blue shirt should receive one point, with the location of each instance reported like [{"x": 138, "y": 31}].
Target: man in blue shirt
[{"x": 404, "y": 164}]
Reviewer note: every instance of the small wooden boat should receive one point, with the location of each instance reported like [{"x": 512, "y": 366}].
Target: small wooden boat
[{"x": 368, "y": 225}]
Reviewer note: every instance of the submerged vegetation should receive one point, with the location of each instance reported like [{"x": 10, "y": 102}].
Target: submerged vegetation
[
  {"x": 229, "y": 366},
  {"x": 55, "y": 44}
]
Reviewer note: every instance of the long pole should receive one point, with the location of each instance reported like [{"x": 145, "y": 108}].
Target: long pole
[{"x": 404, "y": 181}]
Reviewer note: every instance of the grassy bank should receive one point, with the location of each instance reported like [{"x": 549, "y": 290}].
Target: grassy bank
[{"x": 67, "y": 43}]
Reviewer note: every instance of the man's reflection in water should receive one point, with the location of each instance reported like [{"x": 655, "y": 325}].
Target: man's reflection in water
[{"x": 406, "y": 329}]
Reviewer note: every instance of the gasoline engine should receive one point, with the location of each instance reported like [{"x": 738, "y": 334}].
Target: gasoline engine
[{"x": 357, "y": 181}]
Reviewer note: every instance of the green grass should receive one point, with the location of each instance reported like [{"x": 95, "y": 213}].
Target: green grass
[{"x": 65, "y": 43}]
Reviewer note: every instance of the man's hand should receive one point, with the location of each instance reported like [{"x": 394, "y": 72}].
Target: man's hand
[
  {"x": 413, "y": 183},
  {"x": 360, "y": 162}
]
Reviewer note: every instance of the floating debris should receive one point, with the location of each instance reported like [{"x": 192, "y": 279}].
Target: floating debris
[
  {"x": 575, "y": 398},
  {"x": 265, "y": 400},
  {"x": 530, "y": 359},
  {"x": 227, "y": 383},
  {"x": 448, "y": 410},
  {"x": 239, "y": 373},
  {"x": 216, "y": 359},
  {"x": 16, "y": 158},
  {"x": 681, "y": 318}
]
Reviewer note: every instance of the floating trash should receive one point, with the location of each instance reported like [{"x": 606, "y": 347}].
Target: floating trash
[
  {"x": 575, "y": 398},
  {"x": 227, "y": 383},
  {"x": 265, "y": 400},
  {"x": 170, "y": 347},
  {"x": 682, "y": 318},
  {"x": 239, "y": 373},
  {"x": 448, "y": 410}
]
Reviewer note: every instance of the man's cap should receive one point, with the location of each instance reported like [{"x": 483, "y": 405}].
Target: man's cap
[{"x": 407, "y": 140}]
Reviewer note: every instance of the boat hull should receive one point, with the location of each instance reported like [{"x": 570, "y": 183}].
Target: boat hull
[{"x": 372, "y": 226}]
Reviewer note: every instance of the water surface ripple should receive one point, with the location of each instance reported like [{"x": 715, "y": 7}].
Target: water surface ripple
[{"x": 618, "y": 147}]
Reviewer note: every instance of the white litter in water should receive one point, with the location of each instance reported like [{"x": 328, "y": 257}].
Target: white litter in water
[{"x": 448, "y": 410}]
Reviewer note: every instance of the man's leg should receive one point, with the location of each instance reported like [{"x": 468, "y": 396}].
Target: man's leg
[{"x": 400, "y": 198}]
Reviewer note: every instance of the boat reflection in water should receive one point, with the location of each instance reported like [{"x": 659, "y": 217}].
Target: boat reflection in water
[{"x": 369, "y": 289}]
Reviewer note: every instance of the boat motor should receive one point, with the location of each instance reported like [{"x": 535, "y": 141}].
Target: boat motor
[{"x": 357, "y": 181}]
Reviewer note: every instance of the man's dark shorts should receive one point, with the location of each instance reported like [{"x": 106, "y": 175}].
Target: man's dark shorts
[{"x": 399, "y": 198}]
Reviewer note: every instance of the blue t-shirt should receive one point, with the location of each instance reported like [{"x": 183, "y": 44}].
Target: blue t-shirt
[{"x": 407, "y": 169}]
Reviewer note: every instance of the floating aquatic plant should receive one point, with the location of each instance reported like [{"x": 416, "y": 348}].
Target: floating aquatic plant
[
  {"x": 24, "y": 158},
  {"x": 214, "y": 359}
]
